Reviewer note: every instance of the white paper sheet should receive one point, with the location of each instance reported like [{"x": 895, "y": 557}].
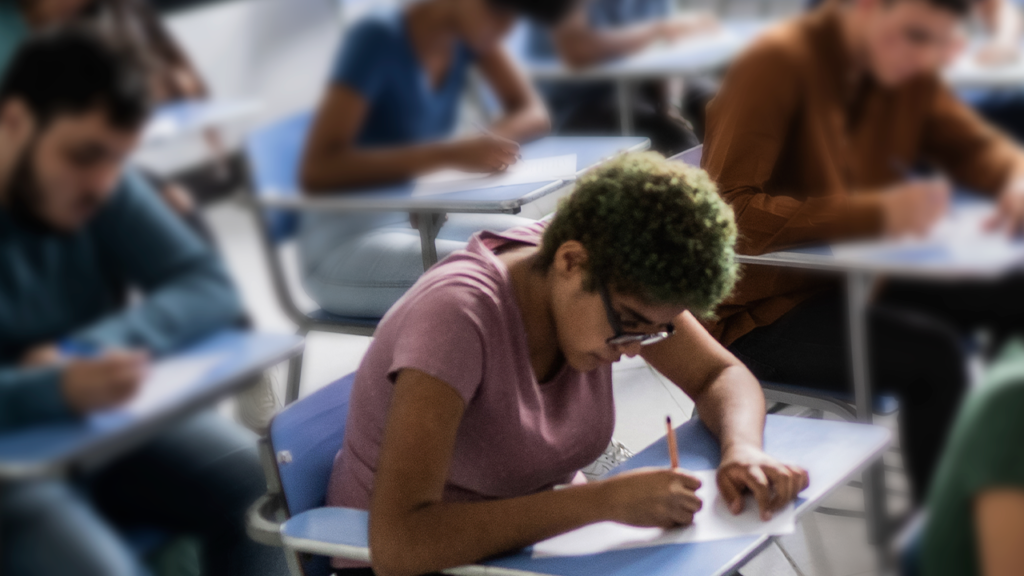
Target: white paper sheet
[
  {"x": 713, "y": 522},
  {"x": 522, "y": 172},
  {"x": 166, "y": 380}
]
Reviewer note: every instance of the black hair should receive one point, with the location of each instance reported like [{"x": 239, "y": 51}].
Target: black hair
[
  {"x": 75, "y": 70},
  {"x": 547, "y": 12}
]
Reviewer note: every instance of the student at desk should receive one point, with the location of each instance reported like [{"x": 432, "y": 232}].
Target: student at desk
[
  {"x": 71, "y": 224},
  {"x": 809, "y": 141},
  {"x": 171, "y": 75},
  {"x": 489, "y": 383},
  {"x": 602, "y": 30},
  {"x": 386, "y": 118}
]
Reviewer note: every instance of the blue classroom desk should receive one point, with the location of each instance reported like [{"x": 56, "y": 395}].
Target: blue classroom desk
[
  {"x": 832, "y": 453},
  {"x": 53, "y": 448},
  {"x": 590, "y": 152}
]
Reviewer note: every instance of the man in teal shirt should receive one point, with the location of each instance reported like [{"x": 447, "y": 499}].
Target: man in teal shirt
[{"x": 75, "y": 231}]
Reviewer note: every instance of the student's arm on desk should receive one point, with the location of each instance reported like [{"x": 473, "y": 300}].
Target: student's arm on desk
[
  {"x": 412, "y": 531},
  {"x": 187, "y": 291},
  {"x": 333, "y": 160},
  {"x": 581, "y": 45},
  {"x": 525, "y": 115},
  {"x": 731, "y": 404},
  {"x": 38, "y": 394},
  {"x": 976, "y": 154},
  {"x": 747, "y": 126}
]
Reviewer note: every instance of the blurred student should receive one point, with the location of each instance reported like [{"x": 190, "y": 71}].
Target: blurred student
[
  {"x": 975, "y": 521},
  {"x": 602, "y": 30},
  {"x": 811, "y": 140},
  {"x": 71, "y": 110},
  {"x": 171, "y": 74},
  {"x": 388, "y": 117},
  {"x": 490, "y": 383}
]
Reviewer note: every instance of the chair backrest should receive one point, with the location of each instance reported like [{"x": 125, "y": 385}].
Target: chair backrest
[
  {"x": 274, "y": 153},
  {"x": 305, "y": 438},
  {"x": 691, "y": 157}
]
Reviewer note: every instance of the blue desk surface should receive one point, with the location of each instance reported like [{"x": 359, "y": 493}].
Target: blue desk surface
[
  {"x": 48, "y": 449},
  {"x": 590, "y": 151},
  {"x": 832, "y": 452}
]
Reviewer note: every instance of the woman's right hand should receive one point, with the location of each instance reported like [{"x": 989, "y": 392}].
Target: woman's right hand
[
  {"x": 483, "y": 153},
  {"x": 653, "y": 497}
]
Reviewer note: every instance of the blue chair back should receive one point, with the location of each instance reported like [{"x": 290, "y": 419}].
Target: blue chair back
[
  {"x": 691, "y": 157},
  {"x": 274, "y": 153},
  {"x": 305, "y": 437}
]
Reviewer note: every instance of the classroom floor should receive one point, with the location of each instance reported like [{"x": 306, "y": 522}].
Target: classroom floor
[{"x": 823, "y": 545}]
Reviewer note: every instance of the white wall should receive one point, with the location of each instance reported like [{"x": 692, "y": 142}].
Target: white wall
[{"x": 276, "y": 51}]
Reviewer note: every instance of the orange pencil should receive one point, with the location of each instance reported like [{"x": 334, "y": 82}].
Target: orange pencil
[{"x": 673, "y": 451}]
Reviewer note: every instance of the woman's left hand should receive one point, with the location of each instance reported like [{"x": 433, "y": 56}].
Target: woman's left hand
[{"x": 749, "y": 469}]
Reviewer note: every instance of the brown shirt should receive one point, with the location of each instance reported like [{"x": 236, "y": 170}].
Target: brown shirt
[{"x": 800, "y": 148}]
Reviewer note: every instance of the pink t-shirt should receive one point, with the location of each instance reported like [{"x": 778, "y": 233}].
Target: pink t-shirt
[{"x": 461, "y": 324}]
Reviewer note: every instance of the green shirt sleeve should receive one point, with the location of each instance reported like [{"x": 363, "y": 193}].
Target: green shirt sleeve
[{"x": 984, "y": 452}]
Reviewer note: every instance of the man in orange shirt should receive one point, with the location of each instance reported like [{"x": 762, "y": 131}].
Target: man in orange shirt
[{"x": 810, "y": 140}]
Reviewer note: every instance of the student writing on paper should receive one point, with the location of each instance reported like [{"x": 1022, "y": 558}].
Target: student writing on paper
[
  {"x": 171, "y": 74},
  {"x": 806, "y": 141},
  {"x": 70, "y": 222},
  {"x": 599, "y": 31},
  {"x": 387, "y": 117},
  {"x": 489, "y": 383}
]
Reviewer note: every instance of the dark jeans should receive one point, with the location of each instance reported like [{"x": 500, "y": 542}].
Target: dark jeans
[
  {"x": 913, "y": 355},
  {"x": 198, "y": 479}
]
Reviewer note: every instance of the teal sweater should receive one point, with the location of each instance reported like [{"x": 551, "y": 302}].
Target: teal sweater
[{"x": 55, "y": 287}]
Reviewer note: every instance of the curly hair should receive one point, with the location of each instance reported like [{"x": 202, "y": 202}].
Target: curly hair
[{"x": 653, "y": 228}]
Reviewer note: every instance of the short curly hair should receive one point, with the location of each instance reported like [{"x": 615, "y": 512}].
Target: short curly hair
[{"x": 653, "y": 228}]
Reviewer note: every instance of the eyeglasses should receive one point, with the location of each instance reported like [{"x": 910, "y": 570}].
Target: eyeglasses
[{"x": 623, "y": 338}]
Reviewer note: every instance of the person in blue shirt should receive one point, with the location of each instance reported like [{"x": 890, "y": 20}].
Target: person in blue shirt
[
  {"x": 602, "y": 30},
  {"x": 388, "y": 116},
  {"x": 74, "y": 230}
]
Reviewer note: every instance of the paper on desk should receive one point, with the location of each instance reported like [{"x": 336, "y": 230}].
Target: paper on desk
[
  {"x": 959, "y": 242},
  {"x": 522, "y": 172},
  {"x": 713, "y": 522},
  {"x": 166, "y": 380}
]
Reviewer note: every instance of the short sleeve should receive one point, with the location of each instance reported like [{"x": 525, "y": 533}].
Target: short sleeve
[
  {"x": 362, "y": 60},
  {"x": 441, "y": 334}
]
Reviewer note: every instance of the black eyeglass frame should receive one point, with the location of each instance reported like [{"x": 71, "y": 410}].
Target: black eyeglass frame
[{"x": 623, "y": 338}]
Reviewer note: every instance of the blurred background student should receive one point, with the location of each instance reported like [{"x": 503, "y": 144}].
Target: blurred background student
[
  {"x": 69, "y": 346},
  {"x": 171, "y": 76},
  {"x": 601, "y": 30},
  {"x": 387, "y": 117},
  {"x": 811, "y": 140}
]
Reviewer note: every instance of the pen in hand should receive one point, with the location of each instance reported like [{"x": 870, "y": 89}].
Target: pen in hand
[
  {"x": 484, "y": 129},
  {"x": 673, "y": 450}
]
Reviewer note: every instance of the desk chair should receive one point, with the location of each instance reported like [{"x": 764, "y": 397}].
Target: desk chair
[
  {"x": 273, "y": 155},
  {"x": 298, "y": 455},
  {"x": 816, "y": 402}
]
